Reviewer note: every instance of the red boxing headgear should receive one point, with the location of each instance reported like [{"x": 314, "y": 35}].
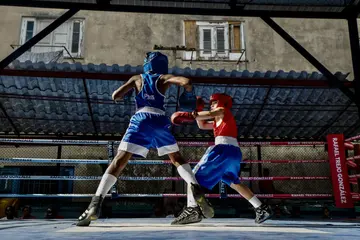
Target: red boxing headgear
[{"x": 224, "y": 100}]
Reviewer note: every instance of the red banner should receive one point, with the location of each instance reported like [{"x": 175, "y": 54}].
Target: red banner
[{"x": 339, "y": 172}]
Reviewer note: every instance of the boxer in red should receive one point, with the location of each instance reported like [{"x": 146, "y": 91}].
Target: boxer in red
[{"x": 220, "y": 162}]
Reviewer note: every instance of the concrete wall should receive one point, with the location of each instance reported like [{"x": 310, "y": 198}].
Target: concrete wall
[{"x": 124, "y": 38}]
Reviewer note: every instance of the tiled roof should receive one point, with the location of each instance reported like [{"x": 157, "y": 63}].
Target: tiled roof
[{"x": 59, "y": 105}]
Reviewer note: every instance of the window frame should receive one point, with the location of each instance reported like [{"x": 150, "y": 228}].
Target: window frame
[
  {"x": 23, "y": 29},
  {"x": 202, "y": 48},
  {"x": 213, "y": 27},
  {"x": 81, "y": 34},
  {"x": 70, "y": 26}
]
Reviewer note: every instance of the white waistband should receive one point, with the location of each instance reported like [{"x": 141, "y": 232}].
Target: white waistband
[
  {"x": 151, "y": 110},
  {"x": 226, "y": 140}
]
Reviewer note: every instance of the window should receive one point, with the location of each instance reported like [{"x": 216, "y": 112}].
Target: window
[
  {"x": 214, "y": 40},
  {"x": 75, "y": 37},
  {"x": 69, "y": 35},
  {"x": 206, "y": 41},
  {"x": 29, "y": 30},
  {"x": 220, "y": 40}
]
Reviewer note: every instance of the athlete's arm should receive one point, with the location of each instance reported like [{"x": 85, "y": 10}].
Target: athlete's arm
[
  {"x": 177, "y": 80},
  {"x": 125, "y": 88},
  {"x": 205, "y": 125},
  {"x": 205, "y": 115}
]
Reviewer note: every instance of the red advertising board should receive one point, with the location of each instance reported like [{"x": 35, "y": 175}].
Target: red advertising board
[{"x": 339, "y": 172}]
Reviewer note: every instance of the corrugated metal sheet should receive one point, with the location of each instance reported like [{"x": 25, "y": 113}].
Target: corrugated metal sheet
[
  {"x": 5, "y": 124},
  {"x": 48, "y": 105},
  {"x": 297, "y": 5},
  {"x": 103, "y": 68},
  {"x": 331, "y": 6},
  {"x": 211, "y": 3}
]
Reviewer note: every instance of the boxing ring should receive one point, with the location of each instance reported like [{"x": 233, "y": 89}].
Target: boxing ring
[
  {"x": 326, "y": 179},
  {"x": 350, "y": 162}
]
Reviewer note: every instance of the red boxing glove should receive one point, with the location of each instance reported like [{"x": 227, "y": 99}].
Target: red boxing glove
[
  {"x": 179, "y": 118},
  {"x": 200, "y": 104}
]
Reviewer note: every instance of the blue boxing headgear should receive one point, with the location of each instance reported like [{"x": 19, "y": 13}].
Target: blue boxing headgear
[{"x": 156, "y": 62}]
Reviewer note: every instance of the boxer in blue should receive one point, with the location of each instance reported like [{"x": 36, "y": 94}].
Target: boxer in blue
[{"x": 149, "y": 128}]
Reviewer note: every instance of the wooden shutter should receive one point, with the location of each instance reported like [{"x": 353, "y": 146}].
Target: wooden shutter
[
  {"x": 190, "y": 33},
  {"x": 235, "y": 37}
]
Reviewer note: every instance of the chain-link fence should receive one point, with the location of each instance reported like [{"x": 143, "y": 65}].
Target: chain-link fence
[
  {"x": 308, "y": 169},
  {"x": 30, "y": 186},
  {"x": 194, "y": 153},
  {"x": 157, "y": 206},
  {"x": 353, "y": 171}
]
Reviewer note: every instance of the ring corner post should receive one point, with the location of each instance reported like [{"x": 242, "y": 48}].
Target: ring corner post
[{"x": 339, "y": 171}]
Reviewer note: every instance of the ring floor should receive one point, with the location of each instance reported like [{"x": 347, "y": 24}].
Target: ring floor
[{"x": 160, "y": 228}]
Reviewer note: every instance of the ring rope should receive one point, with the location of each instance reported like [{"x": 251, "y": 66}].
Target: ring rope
[
  {"x": 181, "y": 143},
  {"x": 173, "y": 195},
  {"x": 140, "y": 162},
  {"x": 353, "y": 158},
  {"x": 352, "y": 138},
  {"x": 355, "y": 196},
  {"x": 82, "y": 178}
]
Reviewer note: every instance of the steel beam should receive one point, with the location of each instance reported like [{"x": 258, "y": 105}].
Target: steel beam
[
  {"x": 89, "y": 106},
  {"x": 355, "y": 56},
  {"x": 330, "y": 124},
  {"x": 352, "y": 130},
  {"x": 258, "y": 114},
  {"x": 37, "y": 38},
  {"x": 177, "y": 8},
  {"x": 9, "y": 119},
  {"x": 333, "y": 80}
]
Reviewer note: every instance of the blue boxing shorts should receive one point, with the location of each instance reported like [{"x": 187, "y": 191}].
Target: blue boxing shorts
[
  {"x": 220, "y": 162},
  {"x": 148, "y": 130}
]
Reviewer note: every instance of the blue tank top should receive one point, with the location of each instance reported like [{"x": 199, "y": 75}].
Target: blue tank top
[{"x": 149, "y": 96}]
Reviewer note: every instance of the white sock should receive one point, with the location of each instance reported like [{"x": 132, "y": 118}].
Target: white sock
[
  {"x": 190, "y": 197},
  {"x": 186, "y": 173},
  {"x": 255, "y": 202},
  {"x": 107, "y": 181}
]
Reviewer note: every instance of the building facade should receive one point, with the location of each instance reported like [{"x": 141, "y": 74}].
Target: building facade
[{"x": 211, "y": 42}]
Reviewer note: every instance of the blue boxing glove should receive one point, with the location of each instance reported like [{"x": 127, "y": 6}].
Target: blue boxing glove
[{"x": 187, "y": 101}]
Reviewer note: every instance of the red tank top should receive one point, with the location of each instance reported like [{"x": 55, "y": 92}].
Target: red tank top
[{"x": 227, "y": 127}]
